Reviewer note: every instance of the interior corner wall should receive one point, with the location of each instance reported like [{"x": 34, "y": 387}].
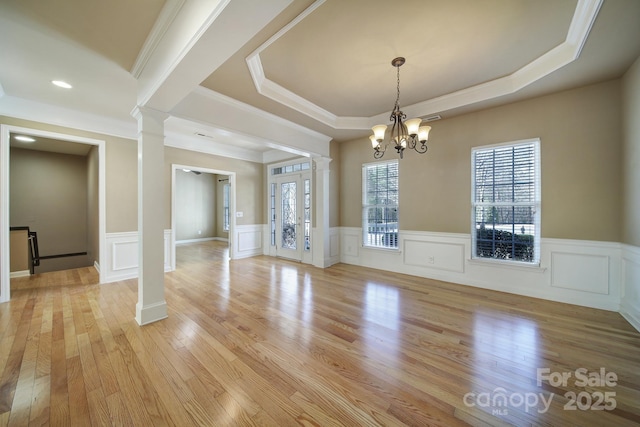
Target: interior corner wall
[
  {"x": 631, "y": 158},
  {"x": 630, "y": 306}
]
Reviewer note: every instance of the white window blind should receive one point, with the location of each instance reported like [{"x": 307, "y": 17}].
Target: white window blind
[
  {"x": 380, "y": 204},
  {"x": 506, "y": 202}
]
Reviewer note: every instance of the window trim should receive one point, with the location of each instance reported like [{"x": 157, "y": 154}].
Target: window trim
[
  {"x": 365, "y": 206},
  {"x": 537, "y": 205}
]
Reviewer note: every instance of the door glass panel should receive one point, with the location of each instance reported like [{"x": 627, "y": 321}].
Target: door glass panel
[
  {"x": 289, "y": 215},
  {"x": 273, "y": 214},
  {"x": 307, "y": 215}
]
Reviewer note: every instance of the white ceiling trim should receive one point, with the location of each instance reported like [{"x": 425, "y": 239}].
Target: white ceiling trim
[
  {"x": 60, "y": 116},
  {"x": 206, "y": 146},
  {"x": 174, "y": 44},
  {"x": 167, "y": 15},
  {"x": 563, "y": 54},
  {"x": 250, "y": 109},
  {"x": 229, "y": 122}
]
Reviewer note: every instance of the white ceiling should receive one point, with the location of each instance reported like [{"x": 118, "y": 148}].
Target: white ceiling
[{"x": 252, "y": 80}]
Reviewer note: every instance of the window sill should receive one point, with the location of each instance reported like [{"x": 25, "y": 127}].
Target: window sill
[
  {"x": 514, "y": 265},
  {"x": 381, "y": 249}
]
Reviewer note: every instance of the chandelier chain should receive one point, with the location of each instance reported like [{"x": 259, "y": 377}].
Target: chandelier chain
[{"x": 397, "y": 106}]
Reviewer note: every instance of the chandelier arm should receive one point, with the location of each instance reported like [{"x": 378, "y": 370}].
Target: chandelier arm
[{"x": 421, "y": 148}]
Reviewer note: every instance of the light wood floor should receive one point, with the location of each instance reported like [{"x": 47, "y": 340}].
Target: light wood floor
[{"x": 262, "y": 341}]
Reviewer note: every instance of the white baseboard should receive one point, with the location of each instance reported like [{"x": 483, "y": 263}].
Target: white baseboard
[
  {"x": 22, "y": 273},
  {"x": 204, "y": 239},
  {"x": 151, "y": 313}
]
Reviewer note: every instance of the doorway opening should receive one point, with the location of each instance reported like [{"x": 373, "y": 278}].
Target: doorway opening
[
  {"x": 95, "y": 188},
  {"x": 202, "y": 211}
]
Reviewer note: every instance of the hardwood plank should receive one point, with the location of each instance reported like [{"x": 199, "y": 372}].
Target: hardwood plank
[
  {"x": 59, "y": 394},
  {"x": 11, "y": 371}
]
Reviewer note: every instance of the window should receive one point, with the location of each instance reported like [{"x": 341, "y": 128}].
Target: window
[
  {"x": 290, "y": 168},
  {"x": 225, "y": 204},
  {"x": 380, "y": 204},
  {"x": 506, "y": 202}
]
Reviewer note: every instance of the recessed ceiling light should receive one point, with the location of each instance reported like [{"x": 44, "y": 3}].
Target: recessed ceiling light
[
  {"x": 61, "y": 83},
  {"x": 25, "y": 138}
]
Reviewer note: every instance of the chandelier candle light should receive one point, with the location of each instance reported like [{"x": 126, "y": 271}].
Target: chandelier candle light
[{"x": 404, "y": 134}]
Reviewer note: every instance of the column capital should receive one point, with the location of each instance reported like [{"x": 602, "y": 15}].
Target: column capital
[
  {"x": 322, "y": 163},
  {"x": 140, "y": 111}
]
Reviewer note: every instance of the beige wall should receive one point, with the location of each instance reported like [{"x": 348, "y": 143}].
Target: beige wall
[
  {"x": 195, "y": 205},
  {"x": 19, "y": 250},
  {"x": 631, "y": 157},
  {"x": 48, "y": 194},
  {"x": 581, "y": 146},
  {"x": 122, "y": 185}
]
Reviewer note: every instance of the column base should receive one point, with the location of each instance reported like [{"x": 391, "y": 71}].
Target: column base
[{"x": 151, "y": 313}]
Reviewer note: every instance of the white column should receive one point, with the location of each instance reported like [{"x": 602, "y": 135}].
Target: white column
[
  {"x": 321, "y": 244},
  {"x": 151, "y": 305}
]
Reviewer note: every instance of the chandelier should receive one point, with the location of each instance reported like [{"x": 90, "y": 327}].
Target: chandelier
[{"x": 404, "y": 133}]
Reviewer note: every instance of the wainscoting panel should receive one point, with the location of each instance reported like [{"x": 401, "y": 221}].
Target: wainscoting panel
[
  {"x": 432, "y": 254},
  {"x": 586, "y": 273},
  {"x": 122, "y": 255},
  {"x": 350, "y": 244},
  {"x": 248, "y": 241}
]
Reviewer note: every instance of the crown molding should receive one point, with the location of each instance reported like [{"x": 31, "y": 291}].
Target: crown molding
[{"x": 563, "y": 54}]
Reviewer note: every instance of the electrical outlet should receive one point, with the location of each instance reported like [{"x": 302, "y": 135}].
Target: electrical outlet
[{"x": 431, "y": 259}]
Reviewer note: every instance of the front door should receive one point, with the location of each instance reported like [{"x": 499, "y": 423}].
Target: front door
[{"x": 289, "y": 214}]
